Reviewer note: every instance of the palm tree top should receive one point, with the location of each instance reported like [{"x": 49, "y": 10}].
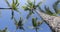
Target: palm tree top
[
  {"x": 31, "y": 7},
  {"x": 13, "y": 5}
]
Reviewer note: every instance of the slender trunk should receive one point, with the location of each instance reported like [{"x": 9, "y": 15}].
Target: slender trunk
[
  {"x": 12, "y": 13},
  {"x": 36, "y": 29},
  {"x": 5, "y": 8}
]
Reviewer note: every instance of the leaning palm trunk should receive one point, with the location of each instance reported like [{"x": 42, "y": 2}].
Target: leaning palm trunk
[{"x": 52, "y": 21}]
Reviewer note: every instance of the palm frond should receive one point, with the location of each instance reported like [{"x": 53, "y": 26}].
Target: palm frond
[
  {"x": 16, "y": 1},
  {"x": 7, "y": 3},
  {"x": 41, "y": 9},
  {"x": 38, "y": 5},
  {"x": 29, "y": 2},
  {"x": 34, "y": 22},
  {"x": 30, "y": 13},
  {"x": 25, "y": 8},
  {"x": 20, "y": 24},
  {"x": 48, "y": 11},
  {"x": 17, "y": 4},
  {"x": 55, "y": 7}
]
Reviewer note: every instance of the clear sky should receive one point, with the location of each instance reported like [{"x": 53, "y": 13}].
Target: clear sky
[{"x": 5, "y": 16}]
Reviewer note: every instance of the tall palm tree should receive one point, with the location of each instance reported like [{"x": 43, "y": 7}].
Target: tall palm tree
[{"x": 50, "y": 18}]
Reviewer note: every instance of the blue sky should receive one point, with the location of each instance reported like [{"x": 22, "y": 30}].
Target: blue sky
[{"x": 5, "y": 16}]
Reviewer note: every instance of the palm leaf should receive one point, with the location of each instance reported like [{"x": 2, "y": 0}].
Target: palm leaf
[
  {"x": 34, "y": 22},
  {"x": 15, "y": 21},
  {"x": 29, "y": 2},
  {"x": 25, "y": 8},
  {"x": 30, "y": 13},
  {"x": 55, "y": 7},
  {"x": 17, "y": 4},
  {"x": 40, "y": 9},
  {"x": 38, "y": 5},
  {"x": 16, "y": 1},
  {"x": 48, "y": 11},
  {"x": 20, "y": 24},
  {"x": 7, "y": 3}
]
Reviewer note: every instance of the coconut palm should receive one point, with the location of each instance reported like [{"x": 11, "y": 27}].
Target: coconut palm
[
  {"x": 13, "y": 6},
  {"x": 19, "y": 24},
  {"x": 50, "y": 18},
  {"x": 36, "y": 24},
  {"x": 31, "y": 6}
]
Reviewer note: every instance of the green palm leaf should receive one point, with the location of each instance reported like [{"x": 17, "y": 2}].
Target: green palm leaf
[
  {"x": 14, "y": 5},
  {"x": 7, "y": 3},
  {"x": 55, "y": 7},
  {"x": 48, "y": 11},
  {"x": 34, "y": 22},
  {"x": 20, "y": 24},
  {"x": 41, "y": 9},
  {"x": 38, "y": 5},
  {"x": 16, "y": 1},
  {"x": 25, "y": 8}
]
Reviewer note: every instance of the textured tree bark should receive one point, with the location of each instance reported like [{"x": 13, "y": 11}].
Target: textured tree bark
[{"x": 52, "y": 21}]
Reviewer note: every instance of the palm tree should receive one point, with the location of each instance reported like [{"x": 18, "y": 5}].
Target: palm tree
[
  {"x": 19, "y": 24},
  {"x": 50, "y": 18},
  {"x": 36, "y": 24},
  {"x": 31, "y": 7},
  {"x": 13, "y": 6},
  {"x": 4, "y": 30}
]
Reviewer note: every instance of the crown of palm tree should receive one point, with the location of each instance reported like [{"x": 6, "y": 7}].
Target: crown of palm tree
[
  {"x": 36, "y": 24},
  {"x": 13, "y": 6},
  {"x": 31, "y": 6},
  {"x": 19, "y": 24}
]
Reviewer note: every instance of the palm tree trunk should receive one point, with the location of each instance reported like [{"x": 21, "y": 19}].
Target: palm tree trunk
[{"x": 48, "y": 19}]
